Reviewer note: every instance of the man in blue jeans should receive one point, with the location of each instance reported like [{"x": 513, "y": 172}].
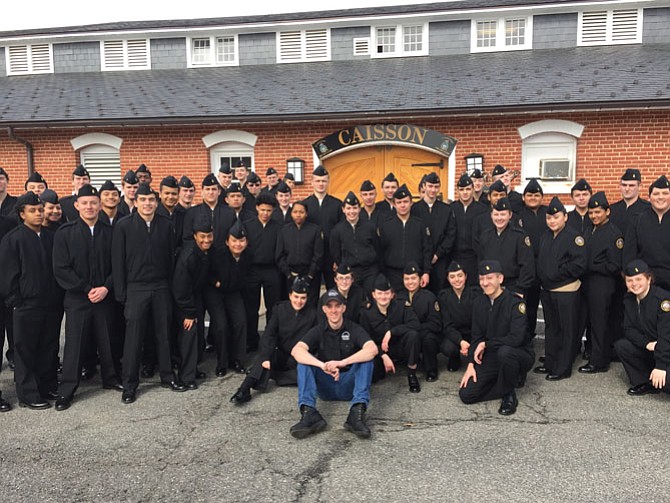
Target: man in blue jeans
[{"x": 334, "y": 363}]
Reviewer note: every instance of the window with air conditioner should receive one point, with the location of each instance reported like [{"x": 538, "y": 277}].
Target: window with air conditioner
[
  {"x": 399, "y": 40},
  {"x": 501, "y": 34},
  {"x": 29, "y": 59},
  {"x": 301, "y": 46},
  {"x": 555, "y": 169},
  {"x": 551, "y": 157},
  {"x": 125, "y": 54},
  {"x": 213, "y": 51},
  {"x": 609, "y": 27}
]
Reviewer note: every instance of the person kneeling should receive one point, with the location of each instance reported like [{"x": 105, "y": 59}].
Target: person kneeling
[
  {"x": 334, "y": 363},
  {"x": 501, "y": 352}
]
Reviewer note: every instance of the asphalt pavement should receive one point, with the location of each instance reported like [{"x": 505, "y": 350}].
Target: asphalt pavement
[{"x": 578, "y": 439}]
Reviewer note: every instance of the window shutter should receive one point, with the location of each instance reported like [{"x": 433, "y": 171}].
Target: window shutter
[
  {"x": 362, "y": 46},
  {"x": 316, "y": 45},
  {"x": 138, "y": 54},
  {"x": 594, "y": 27},
  {"x": 113, "y": 54},
  {"x": 102, "y": 166},
  {"x": 18, "y": 59},
  {"x": 290, "y": 46},
  {"x": 41, "y": 58},
  {"x": 625, "y": 25}
]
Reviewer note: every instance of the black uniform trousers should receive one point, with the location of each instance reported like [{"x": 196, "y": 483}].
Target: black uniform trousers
[
  {"x": 36, "y": 343},
  {"x": 532, "y": 305},
  {"x": 282, "y": 368},
  {"x": 395, "y": 278},
  {"x": 403, "y": 347},
  {"x": 365, "y": 278},
  {"x": 498, "y": 373},
  {"x": 637, "y": 362},
  {"x": 599, "y": 291},
  {"x": 6, "y": 327},
  {"x": 229, "y": 318},
  {"x": 431, "y": 344},
  {"x": 84, "y": 323},
  {"x": 561, "y": 317},
  {"x": 191, "y": 343},
  {"x": 438, "y": 275},
  {"x": 144, "y": 307},
  {"x": 268, "y": 277}
]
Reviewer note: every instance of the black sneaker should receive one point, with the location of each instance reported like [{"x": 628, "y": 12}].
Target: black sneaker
[
  {"x": 310, "y": 422},
  {"x": 356, "y": 421}
]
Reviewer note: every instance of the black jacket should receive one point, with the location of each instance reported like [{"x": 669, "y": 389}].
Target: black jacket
[
  {"x": 427, "y": 310},
  {"x": 399, "y": 319},
  {"x": 231, "y": 273},
  {"x": 191, "y": 274},
  {"x": 513, "y": 249},
  {"x": 441, "y": 221},
  {"x": 561, "y": 259},
  {"x": 262, "y": 241},
  {"x": 300, "y": 250},
  {"x": 355, "y": 246},
  {"x": 285, "y": 328},
  {"x": 649, "y": 240},
  {"x": 604, "y": 246},
  {"x": 649, "y": 321},
  {"x": 465, "y": 219},
  {"x": 400, "y": 244},
  {"x": 457, "y": 313},
  {"x": 222, "y": 217}
]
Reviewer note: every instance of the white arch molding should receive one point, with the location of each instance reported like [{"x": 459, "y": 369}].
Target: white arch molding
[
  {"x": 96, "y": 139},
  {"x": 230, "y": 135},
  {"x": 551, "y": 126}
]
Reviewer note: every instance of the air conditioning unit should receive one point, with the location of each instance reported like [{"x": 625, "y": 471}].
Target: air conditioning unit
[{"x": 555, "y": 169}]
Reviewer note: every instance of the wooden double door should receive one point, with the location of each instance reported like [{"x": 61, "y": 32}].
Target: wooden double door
[{"x": 350, "y": 169}]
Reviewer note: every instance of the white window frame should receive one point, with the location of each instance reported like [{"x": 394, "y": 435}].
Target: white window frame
[
  {"x": 229, "y": 143},
  {"x": 301, "y": 51},
  {"x": 126, "y": 56},
  {"x": 500, "y": 39},
  {"x": 549, "y": 139},
  {"x": 211, "y": 57},
  {"x": 96, "y": 147},
  {"x": 30, "y": 64},
  {"x": 399, "y": 42},
  {"x": 609, "y": 28}
]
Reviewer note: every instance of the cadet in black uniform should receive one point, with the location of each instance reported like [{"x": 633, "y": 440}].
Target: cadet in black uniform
[
  {"x": 441, "y": 221},
  {"x": 648, "y": 236},
  {"x": 404, "y": 238},
  {"x": 282, "y": 213},
  {"x": 506, "y": 176},
  {"x": 300, "y": 250},
  {"x": 225, "y": 179},
  {"x": 352, "y": 293},
  {"x": 129, "y": 186},
  {"x": 325, "y": 211},
  {"x": 290, "y": 321},
  {"x": 578, "y": 218},
  {"x": 561, "y": 262},
  {"x": 6, "y": 326},
  {"x": 354, "y": 242},
  {"x": 169, "y": 207},
  {"x": 53, "y": 213},
  {"x": 511, "y": 247},
  {"x": 478, "y": 186},
  {"x": 456, "y": 309},
  {"x": 604, "y": 245},
  {"x": 645, "y": 348},
  {"x": 251, "y": 191},
  {"x": 289, "y": 179},
  {"x": 427, "y": 309},
  {"x": 7, "y": 201},
  {"x": 36, "y": 184},
  {"x": 272, "y": 180},
  {"x": 28, "y": 286},
  {"x": 142, "y": 268},
  {"x": 80, "y": 177},
  {"x": 497, "y": 191},
  {"x": 82, "y": 260},
  {"x": 186, "y": 192},
  {"x": 369, "y": 212},
  {"x": 501, "y": 353},
  {"x": 235, "y": 202},
  {"x": 262, "y": 235},
  {"x": 466, "y": 211},
  {"x": 143, "y": 174},
  {"x": 390, "y": 185},
  {"x": 334, "y": 363},
  {"x": 394, "y": 327},
  {"x": 222, "y": 217},
  {"x": 533, "y": 220},
  {"x": 110, "y": 197},
  {"x": 191, "y": 273}
]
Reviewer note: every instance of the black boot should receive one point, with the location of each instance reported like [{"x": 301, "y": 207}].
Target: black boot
[
  {"x": 508, "y": 404},
  {"x": 310, "y": 422},
  {"x": 356, "y": 421},
  {"x": 413, "y": 381}
]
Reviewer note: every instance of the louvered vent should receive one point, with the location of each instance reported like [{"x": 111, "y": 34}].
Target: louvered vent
[
  {"x": 362, "y": 46},
  {"x": 308, "y": 45},
  {"x": 27, "y": 59},
  {"x": 125, "y": 55}
]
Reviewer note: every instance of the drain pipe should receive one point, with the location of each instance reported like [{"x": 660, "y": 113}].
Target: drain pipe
[{"x": 30, "y": 151}]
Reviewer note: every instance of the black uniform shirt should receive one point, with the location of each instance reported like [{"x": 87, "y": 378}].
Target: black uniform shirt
[
  {"x": 399, "y": 319},
  {"x": 177, "y": 218},
  {"x": 7, "y": 206},
  {"x": 649, "y": 321},
  {"x": 281, "y": 218},
  {"x": 621, "y": 214},
  {"x": 582, "y": 224},
  {"x": 231, "y": 273},
  {"x": 222, "y": 217},
  {"x": 426, "y": 308},
  {"x": 300, "y": 250},
  {"x": 512, "y": 248},
  {"x": 561, "y": 259},
  {"x": 70, "y": 213},
  {"x": 499, "y": 323},
  {"x": 533, "y": 223},
  {"x": 465, "y": 218},
  {"x": 325, "y": 215},
  {"x": 441, "y": 221},
  {"x": 328, "y": 344},
  {"x": 604, "y": 247},
  {"x": 457, "y": 312},
  {"x": 191, "y": 274},
  {"x": 262, "y": 241},
  {"x": 401, "y": 243},
  {"x": 649, "y": 240},
  {"x": 355, "y": 246},
  {"x": 285, "y": 329}
]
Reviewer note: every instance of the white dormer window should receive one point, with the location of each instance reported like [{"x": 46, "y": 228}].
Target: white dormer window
[
  {"x": 609, "y": 27},
  {"x": 502, "y": 34},
  {"x": 399, "y": 40},
  {"x": 213, "y": 51},
  {"x": 300, "y": 46},
  {"x": 125, "y": 54},
  {"x": 29, "y": 59}
]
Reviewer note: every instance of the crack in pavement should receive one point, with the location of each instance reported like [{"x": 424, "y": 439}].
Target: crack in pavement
[{"x": 319, "y": 469}]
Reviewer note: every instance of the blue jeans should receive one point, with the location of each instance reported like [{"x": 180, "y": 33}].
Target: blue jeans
[{"x": 353, "y": 385}]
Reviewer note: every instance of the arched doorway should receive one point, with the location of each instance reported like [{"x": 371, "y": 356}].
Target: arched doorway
[{"x": 364, "y": 152}]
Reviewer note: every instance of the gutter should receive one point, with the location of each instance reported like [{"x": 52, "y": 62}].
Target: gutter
[{"x": 30, "y": 151}]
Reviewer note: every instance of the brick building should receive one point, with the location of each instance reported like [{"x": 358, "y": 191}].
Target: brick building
[{"x": 556, "y": 89}]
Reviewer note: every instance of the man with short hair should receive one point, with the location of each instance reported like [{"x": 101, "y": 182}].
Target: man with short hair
[
  {"x": 390, "y": 185},
  {"x": 143, "y": 174},
  {"x": 221, "y": 216},
  {"x": 631, "y": 204},
  {"x": 83, "y": 268},
  {"x": 142, "y": 282},
  {"x": 334, "y": 363},
  {"x": 466, "y": 210},
  {"x": 272, "y": 180},
  {"x": 27, "y": 284},
  {"x": 648, "y": 236},
  {"x": 500, "y": 353},
  {"x": 110, "y": 198},
  {"x": 241, "y": 173},
  {"x": 168, "y": 192},
  {"x": 251, "y": 191},
  {"x": 36, "y": 183},
  {"x": 289, "y": 179},
  {"x": 478, "y": 186},
  {"x": 80, "y": 177},
  {"x": 186, "y": 192},
  {"x": 129, "y": 186},
  {"x": 579, "y": 217},
  {"x": 368, "y": 193},
  {"x": 497, "y": 191},
  {"x": 282, "y": 213},
  {"x": 225, "y": 176}
]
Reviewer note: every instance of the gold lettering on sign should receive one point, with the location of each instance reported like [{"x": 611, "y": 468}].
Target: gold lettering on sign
[
  {"x": 379, "y": 132},
  {"x": 341, "y": 137}
]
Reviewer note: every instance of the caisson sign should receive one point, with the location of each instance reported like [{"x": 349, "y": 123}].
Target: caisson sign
[{"x": 385, "y": 133}]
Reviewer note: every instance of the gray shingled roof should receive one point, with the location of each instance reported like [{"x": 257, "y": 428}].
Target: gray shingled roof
[
  {"x": 299, "y": 16},
  {"x": 613, "y": 76}
]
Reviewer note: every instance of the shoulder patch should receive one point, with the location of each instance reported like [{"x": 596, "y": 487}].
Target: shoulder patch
[
  {"x": 527, "y": 241},
  {"x": 579, "y": 241},
  {"x": 437, "y": 306},
  {"x": 619, "y": 243},
  {"x": 522, "y": 307},
  {"x": 665, "y": 306}
]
